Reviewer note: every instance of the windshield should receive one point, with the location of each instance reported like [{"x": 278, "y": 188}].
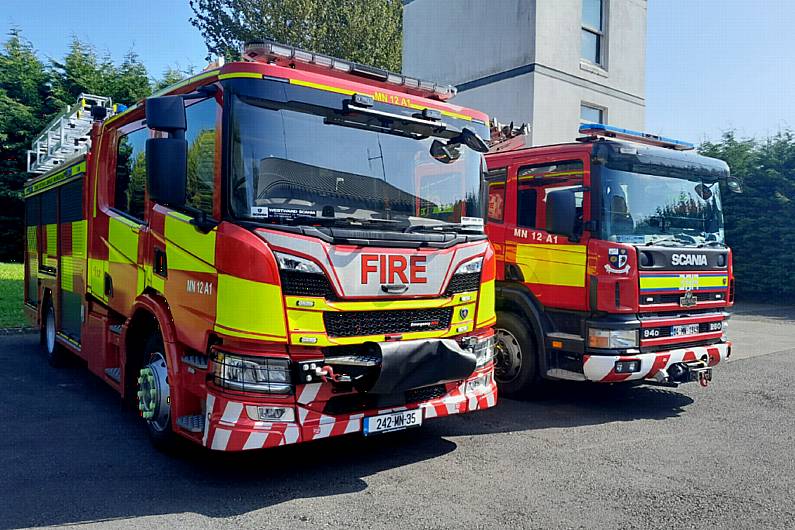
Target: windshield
[
  {"x": 295, "y": 167},
  {"x": 639, "y": 208}
]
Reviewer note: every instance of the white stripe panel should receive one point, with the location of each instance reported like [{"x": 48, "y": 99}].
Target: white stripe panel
[
  {"x": 309, "y": 393},
  {"x": 473, "y": 403},
  {"x": 290, "y": 434},
  {"x": 430, "y": 411},
  {"x": 232, "y": 412},
  {"x": 354, "y": 423},
  {"x": 302, "y": 413},
  {"x": 256, "y": 440},
  {"x": 208, "y": 412},
  {"x": 490, "y": 400},
  {"x": 221, "y": 439}
]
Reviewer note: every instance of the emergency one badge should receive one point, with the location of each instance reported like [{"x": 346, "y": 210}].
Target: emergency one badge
[{"x": 617, "y": 261}]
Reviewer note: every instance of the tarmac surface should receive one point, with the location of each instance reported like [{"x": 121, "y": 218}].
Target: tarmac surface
[{"x": 587, "y": 456}]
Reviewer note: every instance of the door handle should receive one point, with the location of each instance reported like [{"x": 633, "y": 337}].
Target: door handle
[{"x": 394, "y": 288}]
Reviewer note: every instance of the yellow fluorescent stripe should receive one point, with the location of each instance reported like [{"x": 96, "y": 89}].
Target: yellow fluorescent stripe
[
  {"x": 249, "y": 307},
  {"x": 63, "y": 176},
  {"x": 67, "y": 273},
  {"x": 52, "y": 239},
  {"x": 243, "y": 335},
  {"x": 552, "y": 264},
  {"x": 486, "y": 303},
  {"x": 327, "y": 88},
  {"x": 122, "y": 241},
  {"x": 96, "y": 278},
  {"x": 79, "y": 239},
  {"x": 305, "y": 321},
  {"x": 251, "y": 75},
  {"x": 683, "y": 281},
  {"x": 190, "y": 249}
]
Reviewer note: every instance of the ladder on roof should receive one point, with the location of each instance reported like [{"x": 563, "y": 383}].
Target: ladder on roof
[{"x": 67, "y": 135}]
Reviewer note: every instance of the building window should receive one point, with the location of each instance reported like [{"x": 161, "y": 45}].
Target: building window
[
  {"x": 592, "y": 30},
  {"x": 591, "y": 114},
  {"x": 131, "y": 173}
]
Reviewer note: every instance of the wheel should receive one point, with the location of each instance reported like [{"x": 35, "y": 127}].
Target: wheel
[
  {"x": 154, "y": 394},
  {"x": 56, "y": 354},
  {"x": 516, "y": 357}
]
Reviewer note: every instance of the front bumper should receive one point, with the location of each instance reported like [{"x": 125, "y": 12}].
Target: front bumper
[
  {"x": 602, "y": 368},
  {"x": 228, "y": 427}
]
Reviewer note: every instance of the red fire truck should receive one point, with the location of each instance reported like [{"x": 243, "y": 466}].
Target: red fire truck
[
  {"x": 270, "y": 252},
  {"x": 611, "y": 260}
]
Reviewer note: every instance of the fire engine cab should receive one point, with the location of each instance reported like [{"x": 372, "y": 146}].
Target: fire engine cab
[
  {"x": 270, "y": 252},
  {"x": 611, "y": 260}
]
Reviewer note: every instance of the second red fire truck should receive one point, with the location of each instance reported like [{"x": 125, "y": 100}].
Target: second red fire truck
[{"x": 611, "y": 260}]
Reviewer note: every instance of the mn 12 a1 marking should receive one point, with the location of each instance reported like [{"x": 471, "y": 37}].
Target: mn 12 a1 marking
[
  {"x": 199, "y": 287},
  {"x": 537, "y": 237}
]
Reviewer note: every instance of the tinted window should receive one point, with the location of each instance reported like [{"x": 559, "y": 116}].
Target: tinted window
[
  {"x": 201, "y": 154},
  {"x": 535, "y": 182},
  {"x": 495, "y": 180},
  {"x": 131, "y": 173}
]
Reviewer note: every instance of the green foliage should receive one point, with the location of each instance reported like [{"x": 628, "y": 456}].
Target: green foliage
[
  {"x": 366, "y": 32},
  {"x": 32, "y": 92},
  {"x": 760, "y": 222},
  {"x": 11, "y": 285}
]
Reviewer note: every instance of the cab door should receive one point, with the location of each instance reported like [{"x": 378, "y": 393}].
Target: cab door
[{"x": 180, "y": 256}]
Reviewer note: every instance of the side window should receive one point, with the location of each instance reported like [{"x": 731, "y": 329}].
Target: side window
[
  {"x": 201, "y": 154},
  {"x": 131, "y": 173},
  {"x": 495, "y": 180},
  {"x": 536, "y": 181}
]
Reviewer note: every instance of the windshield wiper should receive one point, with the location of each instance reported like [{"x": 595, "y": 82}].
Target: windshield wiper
[
  {"x": 712, "y": 244},
  {"x": 440, "y": 226},
  {"x": 668, "y": 239}
]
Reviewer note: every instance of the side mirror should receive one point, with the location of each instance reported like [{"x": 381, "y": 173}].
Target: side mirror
[
  {"x": 167, "y": 170},
  {"x": 166, "y": 113},
  {"x": 561, "y": 212},
  {"x": 734, "y": 184},
  {"x": 167, "y": 158}
]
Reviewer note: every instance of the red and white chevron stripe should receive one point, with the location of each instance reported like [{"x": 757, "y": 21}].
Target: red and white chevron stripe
[
  {"x": 228, "y": 427},
  {"x": 601, "y": 368}
]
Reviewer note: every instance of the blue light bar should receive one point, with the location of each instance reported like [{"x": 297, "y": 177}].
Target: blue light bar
[{"x": 608, "y": 131}]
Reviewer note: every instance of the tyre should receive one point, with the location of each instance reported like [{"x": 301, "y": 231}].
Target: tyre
[
  {"x": 516, "y": 356},
  {"x": 55, "y": 353},
  {"x": 154, "y": 394}
]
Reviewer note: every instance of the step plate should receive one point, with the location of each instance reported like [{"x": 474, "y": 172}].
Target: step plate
[{"x": 193, "y": 423}]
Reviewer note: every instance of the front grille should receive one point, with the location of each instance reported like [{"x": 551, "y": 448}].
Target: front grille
[
  {"x": 296, "y": 283},
  {"x": 673, "y": 298},
  {"x": 363, "y": 323},
  {"x": 462, "y": 283},
  {"x": 426, "y": 393}
]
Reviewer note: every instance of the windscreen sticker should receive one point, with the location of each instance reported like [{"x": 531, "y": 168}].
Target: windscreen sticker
[
  {"x": 631, "y": 239},
  {"x": 266, "y": 212}
]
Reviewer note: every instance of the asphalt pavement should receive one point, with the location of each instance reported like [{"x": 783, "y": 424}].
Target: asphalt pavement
[{"x": 587, "y": 456}]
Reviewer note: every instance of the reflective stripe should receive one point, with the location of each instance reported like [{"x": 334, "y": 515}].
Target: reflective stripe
[
  {"x": 97, "y": 268},
  {"x": 67, "y": 273},
  {"x": 250, "y": 307},
  {"x": 79, "y": 238},
  {"x": 486, "y": 304},
  {"x": 681, "y": 281},
  {"x": 52, "y": 239},
  {"x": 186, "y": 248},
  {"x": 123, "y": 240},
  {"x": 552, "y": 264}
]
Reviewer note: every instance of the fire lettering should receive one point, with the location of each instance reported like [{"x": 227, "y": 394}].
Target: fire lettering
[{"x": 393, "y": 268}]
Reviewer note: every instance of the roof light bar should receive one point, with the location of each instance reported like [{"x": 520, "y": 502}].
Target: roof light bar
[
  {"x": 270, "y": 52},
  {"x": 608, "y": 131}
]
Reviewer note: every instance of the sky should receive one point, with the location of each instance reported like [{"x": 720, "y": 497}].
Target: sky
[{"x": 712, "y": 65}]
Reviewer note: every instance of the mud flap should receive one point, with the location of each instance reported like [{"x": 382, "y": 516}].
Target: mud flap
[{"x": 417, "y": 363}]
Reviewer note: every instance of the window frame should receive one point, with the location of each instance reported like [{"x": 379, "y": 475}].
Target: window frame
[
  {"x": 599, "y": 33},
  {"x": 499, "y": 175},
  {"x": 540, "y": 199}
]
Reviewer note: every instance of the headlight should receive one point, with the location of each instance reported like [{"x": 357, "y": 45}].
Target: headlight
[
  {"x": 294, "y": 263},
  {"x": 483, "y": 350},
  {"x": 612, "y": 338},
  {"x": 253, "y": 374},
  {"x": 470, "y": 267},
  {"x": 724, "y": 327}
]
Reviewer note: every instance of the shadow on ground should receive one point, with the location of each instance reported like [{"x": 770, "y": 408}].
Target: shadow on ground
[{"x": 73, "y": 454}]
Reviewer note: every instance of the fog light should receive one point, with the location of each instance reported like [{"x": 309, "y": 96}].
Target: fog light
[
  {"x": 627, "y": 367},
  {"x": 262, "y": 413}
]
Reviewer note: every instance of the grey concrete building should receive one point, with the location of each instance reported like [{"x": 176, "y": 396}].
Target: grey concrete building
[{"x": 551, "y": 63}]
